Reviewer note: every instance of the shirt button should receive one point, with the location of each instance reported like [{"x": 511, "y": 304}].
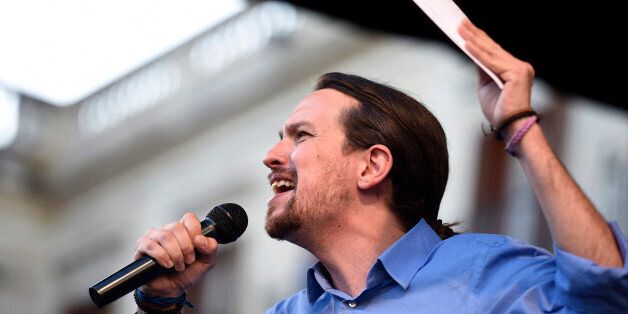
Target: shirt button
[{"x": 352, "y": 304}]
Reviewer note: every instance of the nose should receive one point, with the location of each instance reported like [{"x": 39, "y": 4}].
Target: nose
[{"x": 277, "y": 156}]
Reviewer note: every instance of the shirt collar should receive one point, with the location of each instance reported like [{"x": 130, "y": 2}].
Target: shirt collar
[
  {"x": 404, "y": 258},
  {"x": 397, "y": 261},
  {"x": 317, "y": 282}
]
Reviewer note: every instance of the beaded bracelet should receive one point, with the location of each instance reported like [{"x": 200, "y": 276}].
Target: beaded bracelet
[
  {"x": 160, "y": 305},
  {"x": 509, "y": 120},
  {"x": 515, "y": 139}
]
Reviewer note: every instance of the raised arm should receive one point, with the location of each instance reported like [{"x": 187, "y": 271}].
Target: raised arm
[{"x": 576, "y": 226}]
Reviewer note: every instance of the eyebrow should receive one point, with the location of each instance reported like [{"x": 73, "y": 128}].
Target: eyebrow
[{"x": 291, "y": 128}]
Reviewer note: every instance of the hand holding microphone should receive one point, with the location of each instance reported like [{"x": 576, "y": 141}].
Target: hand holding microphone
[
  {"x": 175, "y": 257},
  {"x": 174, "y": 246}
]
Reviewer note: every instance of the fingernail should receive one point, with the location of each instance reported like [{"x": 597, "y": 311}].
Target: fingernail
[
  {"x": 180, "y": 267},
  {"x": 189, "y": 259},
  {"x": 169, "y": 264}
]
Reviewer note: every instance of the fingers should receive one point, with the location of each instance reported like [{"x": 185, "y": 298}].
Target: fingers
[
  {"x": 171, "y": 245},
  {"x": 193, "y": 227},
  {"x": 472, "y": 33},
  {"x": 485, "y": 49},
  {"x": 178, "y": 244},
  {"x": 207, "y": 249},
  {"x": 147, "y": 246},
  {"x": 498, "y": 60}
]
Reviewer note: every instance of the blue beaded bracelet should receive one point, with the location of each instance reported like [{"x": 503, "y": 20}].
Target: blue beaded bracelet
[{"x": 180, "y": 301}]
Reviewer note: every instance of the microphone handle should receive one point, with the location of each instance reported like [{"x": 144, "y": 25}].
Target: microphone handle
[{"x": 136, "y": 274}]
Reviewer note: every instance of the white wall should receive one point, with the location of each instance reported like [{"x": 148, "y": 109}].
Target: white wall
[{"x": 22, "y": 256}]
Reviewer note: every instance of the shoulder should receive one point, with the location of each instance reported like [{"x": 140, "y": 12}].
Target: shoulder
[
  {"x": 467, "y": 247},
  {"x": 480, "y": 239},
  {"x": 490, "y": 244},
  {"x": 502, "y": 261},
  {"x": 464, "y": 255},
  {"x": 295, "y": 303},
  {"x": 486, "y": 254}
]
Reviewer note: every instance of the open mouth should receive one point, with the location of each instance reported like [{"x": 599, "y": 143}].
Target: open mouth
[{"x": 281, "y": 186}]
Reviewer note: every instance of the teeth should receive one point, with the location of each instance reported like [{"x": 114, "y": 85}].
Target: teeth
[{"x": 280, "y": 183}]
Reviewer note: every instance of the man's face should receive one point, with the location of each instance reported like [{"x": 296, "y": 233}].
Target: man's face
[{"x": 310, "y": 176}]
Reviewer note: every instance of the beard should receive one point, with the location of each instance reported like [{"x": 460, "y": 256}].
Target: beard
[
  {"x": 279, "y": 227},
  {"x": 311, "y": 209}
]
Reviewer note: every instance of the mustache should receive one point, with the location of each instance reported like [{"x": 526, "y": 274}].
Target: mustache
[{"x": 289, "y": 173}]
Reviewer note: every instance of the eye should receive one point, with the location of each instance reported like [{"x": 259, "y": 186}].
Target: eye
[{"x": 301, "y": 135}]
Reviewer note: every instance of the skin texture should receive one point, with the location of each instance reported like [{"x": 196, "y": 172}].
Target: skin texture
[
  {"x": 338, "y": 210},
  {"x": 338, "y": 201},
  {"x": 575, "y": 224},
  {"x": 173, "y": 245},
  {"x": 309, "y": 151}
]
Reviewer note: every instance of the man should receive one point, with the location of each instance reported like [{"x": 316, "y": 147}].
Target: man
[{"x": 358, "y": 176}]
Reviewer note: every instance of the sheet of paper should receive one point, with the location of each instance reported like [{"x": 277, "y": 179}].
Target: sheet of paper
[{"x": 447, "y": 16}]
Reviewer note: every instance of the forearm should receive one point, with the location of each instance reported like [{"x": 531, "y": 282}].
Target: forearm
[{"x": 575, "y": 224}]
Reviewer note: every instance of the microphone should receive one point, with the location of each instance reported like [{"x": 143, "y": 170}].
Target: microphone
[{"x": 225, "y": 223}]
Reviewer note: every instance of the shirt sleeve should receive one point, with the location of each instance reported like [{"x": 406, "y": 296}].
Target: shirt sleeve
[
  {"x": 588, "y": 287},
  {"x": 519, "y": 278}
]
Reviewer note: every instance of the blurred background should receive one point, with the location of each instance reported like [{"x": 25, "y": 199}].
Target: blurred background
[{"x": 120, "y": 116}]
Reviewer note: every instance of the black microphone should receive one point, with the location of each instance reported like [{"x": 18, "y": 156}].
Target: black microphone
[{"x": 225, "y": 223}]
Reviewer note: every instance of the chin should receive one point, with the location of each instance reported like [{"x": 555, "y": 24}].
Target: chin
[
  {"x": 282, "y": 222},
  {"x": 275, "y": 231}
]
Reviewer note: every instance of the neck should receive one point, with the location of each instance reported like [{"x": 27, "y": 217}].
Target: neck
[{"x": 349, "y": 246}]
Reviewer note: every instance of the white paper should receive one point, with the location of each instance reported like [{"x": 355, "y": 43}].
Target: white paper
[{"x": 448, "y": 16}]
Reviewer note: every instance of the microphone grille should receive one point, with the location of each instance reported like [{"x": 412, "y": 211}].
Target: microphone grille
[{"x": 231, "y": 221}]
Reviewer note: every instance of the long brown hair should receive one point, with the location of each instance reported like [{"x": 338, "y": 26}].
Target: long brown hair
[{"x": 415, "y": 138}]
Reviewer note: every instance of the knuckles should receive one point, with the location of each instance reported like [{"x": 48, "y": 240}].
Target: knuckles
[
  {"x": 175, "y": 226},
  {"x": 525, "y": 69},
  {"x": 212, "y": 245},
  {"x": 163, "y": 235},
  {"x": 148, "y": 245},
  {"x": 189, "y": 215},
  {"x": 155, "y": 238},
  {"x": 144, "y": 244}
]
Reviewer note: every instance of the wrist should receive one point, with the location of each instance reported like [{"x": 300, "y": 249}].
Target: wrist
[
  {"x": 159, "y": 304},
  {"x": 508, "y": 132},
  {"x": 514, "y": 143},
  {"x": 167, "y": 293},
  {"x": 508, "y": 121}
]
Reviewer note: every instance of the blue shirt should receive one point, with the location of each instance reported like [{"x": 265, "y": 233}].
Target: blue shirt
[{"x": 471, "y": 273}]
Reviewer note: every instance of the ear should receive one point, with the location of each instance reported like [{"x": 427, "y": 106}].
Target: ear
[{"x": 377, "y": 164}]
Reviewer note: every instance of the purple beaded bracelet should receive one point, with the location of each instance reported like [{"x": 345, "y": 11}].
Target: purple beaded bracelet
[{"x": 515, "y": 139}]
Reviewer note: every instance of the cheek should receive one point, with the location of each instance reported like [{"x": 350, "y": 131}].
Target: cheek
[
  {"x": 305, "y": 156},
  {"x": 307, "y": 163}
]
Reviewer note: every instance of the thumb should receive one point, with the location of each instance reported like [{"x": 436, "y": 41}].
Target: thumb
[{"x": 206, "y": 248}]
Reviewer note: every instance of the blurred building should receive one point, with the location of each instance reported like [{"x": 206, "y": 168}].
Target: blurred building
[{"x": 79, "y": 184}]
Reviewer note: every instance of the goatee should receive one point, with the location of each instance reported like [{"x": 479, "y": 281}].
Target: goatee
[{"x": 280, "y": 226}]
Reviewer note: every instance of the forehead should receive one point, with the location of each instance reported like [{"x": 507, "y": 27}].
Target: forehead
[{"x": 321, "y": 107}]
